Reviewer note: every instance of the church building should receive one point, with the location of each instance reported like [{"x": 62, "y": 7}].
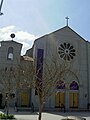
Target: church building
[
  {"x": 63, "y": 45},
  {"x": 66, "y": 45}
]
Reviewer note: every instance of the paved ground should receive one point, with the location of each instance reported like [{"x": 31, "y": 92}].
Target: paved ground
[{"x": 50, "y": 115}]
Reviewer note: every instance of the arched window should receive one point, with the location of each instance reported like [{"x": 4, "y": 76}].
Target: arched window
[
  {"x": 74, "y": 86},
  {"x": 61, "y": 85},
  {"x": 10, "y": 53}
]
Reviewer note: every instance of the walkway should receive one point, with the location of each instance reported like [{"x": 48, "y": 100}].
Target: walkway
[{"x": 50, "y": 115}]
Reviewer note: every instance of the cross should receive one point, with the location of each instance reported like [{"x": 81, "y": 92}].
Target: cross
[{"x": 67, "y": 18}]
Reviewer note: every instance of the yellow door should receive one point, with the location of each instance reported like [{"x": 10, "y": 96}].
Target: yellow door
[
  {"x": 60, "y": 99},
  {"x": 24, "y": 99},
  {"x": 73, "y": 100}
]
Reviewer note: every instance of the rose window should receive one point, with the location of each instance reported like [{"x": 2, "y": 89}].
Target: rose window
[{"x": 66, "y": 51}]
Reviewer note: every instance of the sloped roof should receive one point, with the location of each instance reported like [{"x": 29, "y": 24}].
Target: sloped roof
[
  {"x": 29, "y": 52},
  {"x": 11, "y": 41},
  {"x": 65, "y": 28},
  {"x": 60, "y": 30}
]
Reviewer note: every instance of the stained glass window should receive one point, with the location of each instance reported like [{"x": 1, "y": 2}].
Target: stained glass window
[
  {"x": 74, "y": 86},
  {"x": 61, "y": 85},
  {"x": 66, "y": 51}
]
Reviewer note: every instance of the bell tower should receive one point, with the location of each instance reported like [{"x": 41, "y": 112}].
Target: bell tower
[{"x": 10, "y": 51}]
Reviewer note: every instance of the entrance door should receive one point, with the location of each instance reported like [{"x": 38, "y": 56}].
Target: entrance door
[
  {"x": 25, "y": 99},
  {"x": 73, "y": 100},
  {"x": 60, "y": 99}
]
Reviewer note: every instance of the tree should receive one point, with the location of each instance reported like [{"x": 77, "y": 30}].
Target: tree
[
  {"x": 44, "y": 83},
  {"x": 24, "y": 76},
  {"x": 14, "y": 77},
  {"x": 25, "y": 73},
  {"x": 7, "y": 80},
  {"x": 48, "y": 80}
]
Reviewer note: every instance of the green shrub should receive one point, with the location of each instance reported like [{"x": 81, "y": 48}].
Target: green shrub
[{"x": 4, "y": 116}]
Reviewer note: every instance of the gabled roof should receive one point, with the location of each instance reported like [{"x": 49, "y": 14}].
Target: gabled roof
[
  {"x": 60, "y": 30},
  {"x": 68, "y": 28},
  {"x": 11, "y": 41},
  {"x": 65, "y": 28}
]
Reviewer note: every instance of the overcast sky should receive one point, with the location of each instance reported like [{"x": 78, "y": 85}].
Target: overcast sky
[{"x": 29, "y": 19}]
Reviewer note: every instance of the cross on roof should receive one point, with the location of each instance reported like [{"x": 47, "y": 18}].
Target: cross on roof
[{"x": 67, "y": 19}]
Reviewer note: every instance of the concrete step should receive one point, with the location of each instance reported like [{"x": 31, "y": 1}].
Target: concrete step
[{"x": 24, "y": 109}]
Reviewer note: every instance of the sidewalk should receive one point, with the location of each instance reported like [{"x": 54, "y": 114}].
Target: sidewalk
[{"x": 50, "y": 115}]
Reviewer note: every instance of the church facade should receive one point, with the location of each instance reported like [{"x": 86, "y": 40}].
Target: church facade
[
  {"x": 63, "y": 45},
  {"x": 66, "y": 45}
]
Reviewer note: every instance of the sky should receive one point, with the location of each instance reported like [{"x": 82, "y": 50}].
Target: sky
[{"x": 30, "y": 19}]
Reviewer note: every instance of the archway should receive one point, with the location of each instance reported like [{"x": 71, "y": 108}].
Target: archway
[
  {"x": 73, "y": 95},
  {"x": 60, "y": 95}
]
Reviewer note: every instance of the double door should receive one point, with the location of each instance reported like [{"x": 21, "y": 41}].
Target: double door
[{"x": 60, "y": 99}]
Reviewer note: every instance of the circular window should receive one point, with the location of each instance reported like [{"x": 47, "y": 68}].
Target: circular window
[{"x": 66, "y": 51}]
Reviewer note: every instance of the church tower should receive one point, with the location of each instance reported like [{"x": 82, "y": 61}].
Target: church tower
[{"x": 10, "y": 52}]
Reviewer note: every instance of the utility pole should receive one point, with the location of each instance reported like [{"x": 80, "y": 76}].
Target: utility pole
[{"x": 1, "y": 7}]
